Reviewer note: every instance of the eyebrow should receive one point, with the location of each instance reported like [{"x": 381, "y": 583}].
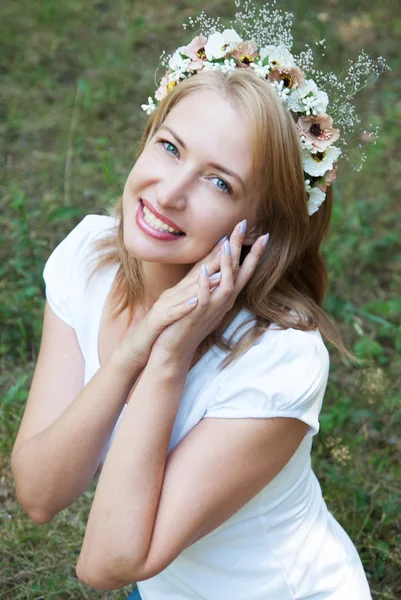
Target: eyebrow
[{"x": 212, "y": 164}]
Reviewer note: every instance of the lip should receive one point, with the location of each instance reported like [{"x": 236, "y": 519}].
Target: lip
[
  {"x": 149, "y": 230},
  {"x": 160, "y": 216}
]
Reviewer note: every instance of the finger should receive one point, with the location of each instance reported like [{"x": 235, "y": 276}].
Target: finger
[
  {"x": 215, "y": 278},
  {"x": 227, "y": 278},
  {"x": 214, "y": 251},
  {"x": 213, "y": 265},
  {"x": 162, "y": 318},
  {"x": 203, "y": 289},
  {"x": 188, "y": 293},
  {"x": 236, "y": 240},
  {"x": 211, "y": 261},
  {"x": 185, "y": 287},
  {"x": 173, "y": 308},
  {"x": 250, "y": 263}
]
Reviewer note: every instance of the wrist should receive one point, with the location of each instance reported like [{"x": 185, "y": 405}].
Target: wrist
[
  {"x": 172, "y": 364},
  {"x": 126, "y": 367}
]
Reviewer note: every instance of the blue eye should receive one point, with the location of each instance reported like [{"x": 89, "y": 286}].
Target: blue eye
[
  {"x": 163, "y": 142},
  {"x": 223, "y": 189}
]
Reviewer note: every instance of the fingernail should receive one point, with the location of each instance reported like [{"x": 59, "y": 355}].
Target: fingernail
[
  {"x": 204, "y": 271},
  {"x": 219, "y": 252},
  {"x": 192, "y": 300},
  {"x": 222, "y": 238},
  {"x": 266, "y": 239},
  {"x": 215, "y": 276},
  {"x": 227, "y": 248},
  {"x": 242, "y": 228}
]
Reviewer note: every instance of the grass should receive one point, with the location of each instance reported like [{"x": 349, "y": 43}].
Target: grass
[{"x": 72, "y": 78}]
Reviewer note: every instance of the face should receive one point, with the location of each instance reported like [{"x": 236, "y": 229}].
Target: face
[{"x": 175, "y": 179}]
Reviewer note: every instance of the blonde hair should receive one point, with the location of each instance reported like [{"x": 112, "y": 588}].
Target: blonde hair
[{"x": 290, "y": 280}]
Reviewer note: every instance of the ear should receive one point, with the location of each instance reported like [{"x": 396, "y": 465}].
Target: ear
[{"x": 252, "y": 235}]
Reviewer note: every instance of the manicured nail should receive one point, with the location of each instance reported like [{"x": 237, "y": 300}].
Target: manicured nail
[
  {"x": 227, "y": 248},
  {"x": 192, "y": 300},
  {"x": 216, "y": 276},
  {"x": 242, "y": 228},
  {"x": 266, "y": 239},
  {"x": 222, "y": 238},
  {"x": 204, "y": 271}
]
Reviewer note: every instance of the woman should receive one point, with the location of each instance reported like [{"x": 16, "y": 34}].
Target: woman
[{"x": 207, "y": 489}]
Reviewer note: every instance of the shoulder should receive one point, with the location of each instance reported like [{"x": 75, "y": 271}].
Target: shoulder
[
  {"x": 283, "y": 374},
  {"x": 90, "y": 227},
  {"x": 278, "y": 345},
  {"x": 290, "y": 361},
  {"x": 76, "y": 248},
  {"x": 289, "y": 344},
  {"x": 67, "y": 268}
]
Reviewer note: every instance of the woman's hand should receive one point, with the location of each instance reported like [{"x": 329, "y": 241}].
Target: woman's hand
[
  {"x": 134, "y": 350},
  {"x": 182, "y": 338}
]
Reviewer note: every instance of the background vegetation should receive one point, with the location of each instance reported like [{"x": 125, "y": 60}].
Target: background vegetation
[{"x": 73, "y": 75}]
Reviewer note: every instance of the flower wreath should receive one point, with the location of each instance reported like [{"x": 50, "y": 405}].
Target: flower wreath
[{"x": 265, "y": 47}]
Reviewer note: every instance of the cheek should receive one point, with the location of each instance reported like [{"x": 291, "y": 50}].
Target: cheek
[
  {"x": 212, "y": 222},
  {"x": 142, "y": 169}
]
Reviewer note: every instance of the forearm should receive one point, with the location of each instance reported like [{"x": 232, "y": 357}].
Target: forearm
[
  {"x": 124, "y": 509},
  {"x": 52, "y": 469}
]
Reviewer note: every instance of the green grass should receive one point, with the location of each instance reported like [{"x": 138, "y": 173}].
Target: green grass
[{"x": 72, "y": 78}]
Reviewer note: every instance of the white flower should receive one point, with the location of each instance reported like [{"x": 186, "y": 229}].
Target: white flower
[
  {"x": 317, "y": 103},
  {"x": 308, "y": 99},
  {"x": 322, "y": 162},
  {"x": 209, "y": 66},
  {"x": 229, "y": 66},
  {"x": 316, "y": 197},
  {"x": 281, "y": 91},
  {"x": 149, "y": 108},
  {"x": 260, "y": 70},
  {"x": 219, "y": 44},
  {"x": 278, "y": 55},
  {"x": 177, "y": 76},
  {"x": 294, "y": 102},
  {"x": 305, "y": 143},
  {"x": 178, "y": 65}
]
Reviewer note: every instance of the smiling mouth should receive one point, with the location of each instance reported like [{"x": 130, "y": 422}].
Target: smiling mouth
[{"x": 152, "y": 220}]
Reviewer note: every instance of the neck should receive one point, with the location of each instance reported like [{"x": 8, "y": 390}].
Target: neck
[{"x": 158, "y": 277}]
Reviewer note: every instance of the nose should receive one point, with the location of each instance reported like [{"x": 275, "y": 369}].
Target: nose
[{"x": 173, "y": 191}]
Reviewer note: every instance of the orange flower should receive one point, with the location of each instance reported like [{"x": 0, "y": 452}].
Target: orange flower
[
  {"x": 293, "y": 77},
  {"x": 245, "y": 53},
  {"x": 319, "y": 131}
]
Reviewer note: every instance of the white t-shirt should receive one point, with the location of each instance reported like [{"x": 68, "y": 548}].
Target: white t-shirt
[{"x": 282, "y": 545}]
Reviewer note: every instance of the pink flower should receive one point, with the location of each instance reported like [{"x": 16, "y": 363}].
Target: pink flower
[
  {"x": 245, "y": 53},
  {"x": 165, "y": 87},
  {"x": 330, "y": 176},
  {"x": 196, "y": 51},
  {"x": 162, "y": 91},
  {"x": 293, "y": 77},
  {"x": 319, "y": 131}
]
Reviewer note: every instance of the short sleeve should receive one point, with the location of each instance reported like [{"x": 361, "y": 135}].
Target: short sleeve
[
  {"x": 62, "y": 270},
  {"x": 283, "y": 375}
]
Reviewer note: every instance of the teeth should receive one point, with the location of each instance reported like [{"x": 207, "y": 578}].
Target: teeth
[{"x": 155, "y": 222}]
